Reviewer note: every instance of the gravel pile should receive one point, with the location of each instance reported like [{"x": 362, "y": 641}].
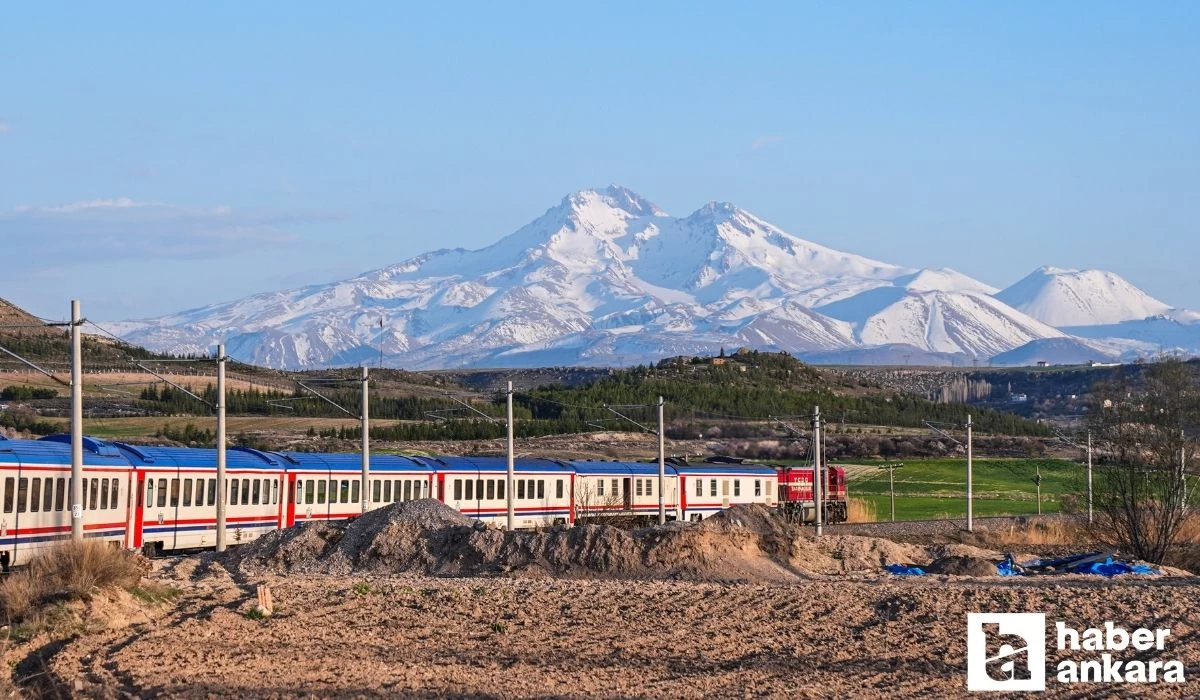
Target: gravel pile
[{"x": 917, "y": 529}]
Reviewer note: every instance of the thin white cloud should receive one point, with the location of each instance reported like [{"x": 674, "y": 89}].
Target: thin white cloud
[
  {"x": 764, "y": 141},
  {"x": 123, "y": 228}
]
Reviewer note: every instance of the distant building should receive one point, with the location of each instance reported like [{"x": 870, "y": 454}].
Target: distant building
[
  {"x": 1042, "y": 363},
  {"x": 1018, "y": 398}
]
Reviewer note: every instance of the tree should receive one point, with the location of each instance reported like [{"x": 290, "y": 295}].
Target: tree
[{"x": 1145, "y": 425}]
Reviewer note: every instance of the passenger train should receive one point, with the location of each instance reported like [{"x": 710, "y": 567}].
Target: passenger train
[{"x": 164, "y": 498}]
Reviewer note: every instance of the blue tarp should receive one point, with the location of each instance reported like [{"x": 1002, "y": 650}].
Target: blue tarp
[
  {"x": 1087, "y": 564},
  {"x": 904, "y": 570}
]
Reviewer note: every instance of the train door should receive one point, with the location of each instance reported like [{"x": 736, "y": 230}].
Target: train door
[
  {"x": 289, "y": 509},
  {"x": 132, "y": 525},
  {"x": 138, "y": 498},
  {"x": 627, "y": 493}
]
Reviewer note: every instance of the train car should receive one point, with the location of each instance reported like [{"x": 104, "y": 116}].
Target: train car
[
  {"x": 796, "y": 494},
  {"x": 628, "y": 489},
  {"x": 476, "y": 487},
  {"x": 708, "y": 488},
  {"x": 34, "y": 478},
  {"x": 324, "y": 486},
  {"x": 176, "y": 495}
]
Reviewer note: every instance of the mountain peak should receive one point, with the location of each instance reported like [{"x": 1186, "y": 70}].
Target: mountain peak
[
  {"x": 613, "y": 197},
  {"x": 1066, "y": 298}
]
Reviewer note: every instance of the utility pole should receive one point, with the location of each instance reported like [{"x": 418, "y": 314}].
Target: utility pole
[
  {"x": 366, "y": 443},
  {"x": 76, "y": 424},
  {"x": 970, "y": 465},
  {"x": 508, "y": 488},
  {"x": 662, "y": 467},
  {"x": 818, "y": 491},
  {"x": 222, "y": 490},
  {"x": 892, "y": 487}
]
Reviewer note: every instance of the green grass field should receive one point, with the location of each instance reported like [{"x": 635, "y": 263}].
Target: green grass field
[{"x": 934, "y": 488}]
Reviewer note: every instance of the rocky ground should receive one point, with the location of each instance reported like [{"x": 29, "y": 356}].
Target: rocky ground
[{"x": 741, "y": 607}]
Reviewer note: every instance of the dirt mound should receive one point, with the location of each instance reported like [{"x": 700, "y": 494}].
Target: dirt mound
[
  {"x": 427, "y": 537},
  {"x": 963, "y": 566}
]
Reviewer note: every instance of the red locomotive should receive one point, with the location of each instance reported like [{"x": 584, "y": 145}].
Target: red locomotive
[{"x": 796, "y": 493}]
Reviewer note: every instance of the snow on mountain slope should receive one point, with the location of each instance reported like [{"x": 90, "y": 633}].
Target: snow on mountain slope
[
  {"x": 1054, "y": 351},
  {"x": 606, "y": 277},
  {"x": 1062, "y": 297}
]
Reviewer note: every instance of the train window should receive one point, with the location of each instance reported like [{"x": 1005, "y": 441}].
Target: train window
[
  {"x": 376, "y": 491},
  {"x": 558, "y": 490},
  {"x": 60, "y": 493},
  {"x": 93, "y": 494},
  {"x": 233, "y": 491},
  {"x": 712, "y": 487},
  {"x": 649, "y": 487},
  {"x": 103, "y": 494},
  {"x": 541, "y": 489},
  {"x": 470, "y": 489},
  {"x": 500, "y": 487},
  {"x": 274, "y": 491},
  {"x": 308, "y": 491},
  {"x": 174, "y": 493},
  {"x": 699, "y": 487},
  {"x": 22, "y": 494},
  {"x": 408, "y": 494},
  {"x": 757, "y": 487},
  {"x": 149, "y": 492},
  {"x": 520, "y": 488},
  {"x": 491, "y": 489},
  {"x": 478, "y": 489},
  {"x": 344, "y": 492},
  {"x": 458, "y": 489},
  {"x": 599, "y": 487},
  {"x": 112, "y": 499},
  {"x": 637, "y": 487},
  {"x": 8, "y": 494},
  {"x": 321, "y": 486},
  {"x": 737, "y": 487},
  {"x": 212, "y": 492},
  {"x": 35, "y": 495},
  {"x": 187, "y": 493},
  {"x": 48, "y": 495},
  {"x": 162, "y": 493},
  {"x": 246, "y": 492},
  {"x": 387, "y": 491},
  {"x": 614, "y": 487},
  {"x": 398, "y": 490},
  {"x": 256, "y": 487},
  {"x": 355, "y": 492}
]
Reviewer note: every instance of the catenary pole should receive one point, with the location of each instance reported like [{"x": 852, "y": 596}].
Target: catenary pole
[
  {"x": 222, "y": 489},
  {"x": 366, "y": 443},
  {"x": 508, "y": 485},
  {"x": 662, "y": 467},
  {"x": 818, "y": 473},
  {"x": 970, "y": 466},
  {"x": 76, "y": 423},
  {"x": 1089, "y": 476}
]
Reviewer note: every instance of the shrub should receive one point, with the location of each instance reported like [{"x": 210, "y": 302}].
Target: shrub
[{"x": 69, "y": 570}]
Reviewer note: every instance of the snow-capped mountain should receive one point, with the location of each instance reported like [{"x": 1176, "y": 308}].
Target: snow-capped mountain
[
  {"x": 606, "y": 277},
  {"x": 1080, "y": 298}
]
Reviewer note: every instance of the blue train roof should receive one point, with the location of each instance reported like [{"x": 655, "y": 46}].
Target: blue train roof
[
  {"x": 148, "y": 456},
  {"x": 491, "y": 464},
  {"x": 57, "y": 451},
  {"x": 629, "y": 468},
  {"x": 350, "y": 462}
]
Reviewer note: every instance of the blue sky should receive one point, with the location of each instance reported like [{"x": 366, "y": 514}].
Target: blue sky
[{"x": 161, "y": 156}]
